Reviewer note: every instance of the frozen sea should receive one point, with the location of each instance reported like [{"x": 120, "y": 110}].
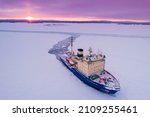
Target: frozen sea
[{"x": 28, "y": 71}]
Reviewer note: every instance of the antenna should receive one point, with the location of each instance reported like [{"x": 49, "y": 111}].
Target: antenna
[{"x": 90, "y": 51}]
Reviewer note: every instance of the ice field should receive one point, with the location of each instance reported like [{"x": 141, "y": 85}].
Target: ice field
[{"x": 28, "y": 71}]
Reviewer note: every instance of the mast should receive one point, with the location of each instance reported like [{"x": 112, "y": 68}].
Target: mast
[
  {"x": 90, "y": 51},
  {"x": 72, "y": 45}
]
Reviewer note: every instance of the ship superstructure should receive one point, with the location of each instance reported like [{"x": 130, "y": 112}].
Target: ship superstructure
[{"x": 89, "y": 64}]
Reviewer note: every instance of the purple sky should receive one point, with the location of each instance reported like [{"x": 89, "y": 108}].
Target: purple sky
[{"x": 86, "y": 9}]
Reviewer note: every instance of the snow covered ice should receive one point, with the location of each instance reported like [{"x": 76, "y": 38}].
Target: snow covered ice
[{"x": 28, "y": 71}]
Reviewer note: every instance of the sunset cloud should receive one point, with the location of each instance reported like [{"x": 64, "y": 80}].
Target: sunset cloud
[{"x": 90, "y": 9}]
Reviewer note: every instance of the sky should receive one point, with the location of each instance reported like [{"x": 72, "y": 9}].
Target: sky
[{"x": 76, "y": 9}]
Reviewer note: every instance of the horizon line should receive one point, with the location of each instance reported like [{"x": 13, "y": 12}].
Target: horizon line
[{"x": 69, "y": 20}]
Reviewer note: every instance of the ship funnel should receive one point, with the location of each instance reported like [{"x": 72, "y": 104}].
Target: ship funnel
[{"x": 80, "y": 52}]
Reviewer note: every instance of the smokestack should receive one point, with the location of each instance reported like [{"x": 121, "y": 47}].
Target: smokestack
[{"x": 80, "y": 53}]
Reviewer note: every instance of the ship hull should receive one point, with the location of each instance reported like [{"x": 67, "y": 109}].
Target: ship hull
[{"x": 86, "y": 80}]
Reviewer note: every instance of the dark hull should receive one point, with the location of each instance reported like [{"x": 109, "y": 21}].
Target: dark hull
[{"x": 86, "y": 80}]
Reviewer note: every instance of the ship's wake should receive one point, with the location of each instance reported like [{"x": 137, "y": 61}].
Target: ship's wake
[{"x": 62, "y": 46}]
